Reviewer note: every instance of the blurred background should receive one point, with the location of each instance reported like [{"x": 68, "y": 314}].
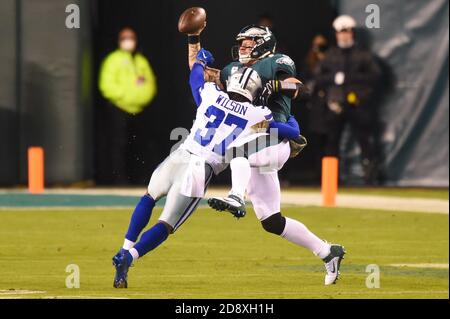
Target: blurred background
[{"x": 49, "y": 93}]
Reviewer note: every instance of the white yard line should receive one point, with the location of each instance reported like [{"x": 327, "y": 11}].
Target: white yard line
[
  {"x": 425, "y": 265},
  {"x": 4, "y": 293}
]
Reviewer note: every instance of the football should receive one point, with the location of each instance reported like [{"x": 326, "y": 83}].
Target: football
[{"x": 192, "y": 20}]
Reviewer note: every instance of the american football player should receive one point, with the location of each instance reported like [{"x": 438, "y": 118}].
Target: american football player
[
  {"x": 224, "y": 121},
  {"x": 256, "y": 50}
]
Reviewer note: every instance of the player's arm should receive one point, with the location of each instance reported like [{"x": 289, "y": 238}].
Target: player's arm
[
  {"x": 213, "y": 75},
  {"x": 194, "y": 46},
  {"x": 289, "y": 86},
  {"x": 196, "y": 78},
  {"x": 285, "y": 81},
  {"x": 289, "y": 130}
]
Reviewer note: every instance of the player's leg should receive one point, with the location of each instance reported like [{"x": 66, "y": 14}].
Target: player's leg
[
  {"x": 264, "y": 192},
  {"x": 240, "y": 176},
  {"x": 177, "y": 210},
  {"x": 158, "y": 187},
  {"x": 265, "y": 152},
  {"x": 235, "y": 201}
]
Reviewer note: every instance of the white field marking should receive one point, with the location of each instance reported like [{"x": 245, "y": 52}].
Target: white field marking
[
  {"x": 20, "y": 292},
  {"x": 81, "y": 208},
  {"x": 82, "y": 297},
  {"x": 425, "y": 265},
  {"x": 361, "y": 201},
  {"x": 140, "y": 191},
  {"x": 63, "y": 208},
  {"x": 280, "y": 294}
]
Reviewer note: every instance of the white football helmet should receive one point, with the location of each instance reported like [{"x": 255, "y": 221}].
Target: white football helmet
[{"x": 245, "y": 82}]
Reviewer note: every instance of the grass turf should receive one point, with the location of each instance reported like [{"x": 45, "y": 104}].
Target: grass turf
[{"x": 216, "y": 256}]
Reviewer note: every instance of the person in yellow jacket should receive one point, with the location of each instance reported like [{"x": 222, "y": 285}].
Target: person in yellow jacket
[
  {"x": 128, "y": 83},
  {"x": 126, "y": 78}
]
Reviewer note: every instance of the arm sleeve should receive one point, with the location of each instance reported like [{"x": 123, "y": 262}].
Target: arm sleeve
[
  {"x": 197, "y": 81},
  {"x": 289, "y": 130}
]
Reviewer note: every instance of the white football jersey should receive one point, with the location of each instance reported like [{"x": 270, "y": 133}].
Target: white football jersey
[{"x": 222, "y": 123}]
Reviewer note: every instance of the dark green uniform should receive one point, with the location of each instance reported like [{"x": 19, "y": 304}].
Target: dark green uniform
[{"x": 270, "y": 68}]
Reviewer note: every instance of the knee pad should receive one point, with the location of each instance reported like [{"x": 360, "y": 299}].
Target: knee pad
[{"x": 274, "y": 224}]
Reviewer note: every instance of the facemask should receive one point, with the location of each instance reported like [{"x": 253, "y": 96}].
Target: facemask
[
  {"x": 345, "y": 44},
  {"x": 128, "y": 45}
]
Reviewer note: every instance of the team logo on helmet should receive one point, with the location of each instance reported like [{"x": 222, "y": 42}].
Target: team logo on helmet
[{"x": 265, "y": 43}]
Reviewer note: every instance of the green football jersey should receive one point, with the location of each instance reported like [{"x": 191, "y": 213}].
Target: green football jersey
[{"x": 270, "y": 68}]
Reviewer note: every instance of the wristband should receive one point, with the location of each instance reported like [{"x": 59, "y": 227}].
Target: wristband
[{"x": 193, "y": 39}]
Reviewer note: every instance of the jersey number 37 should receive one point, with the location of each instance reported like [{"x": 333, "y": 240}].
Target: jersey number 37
[{"x": 213, "y": 125}]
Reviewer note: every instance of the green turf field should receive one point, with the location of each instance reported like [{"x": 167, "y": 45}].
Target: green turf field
[{"x": 216, "y": 256}]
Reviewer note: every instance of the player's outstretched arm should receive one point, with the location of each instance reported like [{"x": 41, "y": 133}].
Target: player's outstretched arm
[
  {"x": 196, "y": 78},
  {"x": 289, "y": 130},
  {"x": 194, "y": 46}
]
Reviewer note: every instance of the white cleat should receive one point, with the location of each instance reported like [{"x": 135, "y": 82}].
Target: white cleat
[{"x": 333, "y": 263}]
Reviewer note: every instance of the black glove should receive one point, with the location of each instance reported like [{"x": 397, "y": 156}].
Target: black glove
[{"x": 263, "y": 98}]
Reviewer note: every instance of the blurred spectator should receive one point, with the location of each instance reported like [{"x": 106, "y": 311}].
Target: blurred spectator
[
  {"x": 316, "y": 53},
  {"x": 128, "y": 83},
  {"x": 315, "y": 103},
  {"x": 348, "y": 76}
]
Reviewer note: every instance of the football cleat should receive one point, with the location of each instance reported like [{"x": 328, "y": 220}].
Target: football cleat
[
  {"x": 122, "y": 263},
  {"x": 233, "y": 204},
  {"x": 333, "y": 263}
]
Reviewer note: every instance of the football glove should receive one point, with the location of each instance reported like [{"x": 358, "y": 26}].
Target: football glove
[
  {"x": 297, "y": 145},
  {"x": 266, "y": 92},
  {"x": 205, "y": 57}
]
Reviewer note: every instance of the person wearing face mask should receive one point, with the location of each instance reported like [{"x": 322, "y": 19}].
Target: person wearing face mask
[
  {"x": 128, "y": 83},
  {"x": 348, "y": 78},
  {"x": 315, "y": 105}
]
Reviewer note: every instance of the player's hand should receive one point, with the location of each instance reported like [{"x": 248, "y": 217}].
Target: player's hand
[
  {"x": 205, "y": 57},
  {"x": 266, "y": 92},
  {"x": 261, "y": 127}
]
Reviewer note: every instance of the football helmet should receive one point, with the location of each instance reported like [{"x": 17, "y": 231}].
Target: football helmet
[
  {"x": 245, "y": 82},
  {"x": 265, "y": 43}
]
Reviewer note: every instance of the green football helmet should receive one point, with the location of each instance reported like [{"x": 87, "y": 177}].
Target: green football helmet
[{"x": 265, "y": 43}]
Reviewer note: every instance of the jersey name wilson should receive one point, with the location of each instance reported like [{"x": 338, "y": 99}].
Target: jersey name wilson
[{"x": 231, "y": 105}]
